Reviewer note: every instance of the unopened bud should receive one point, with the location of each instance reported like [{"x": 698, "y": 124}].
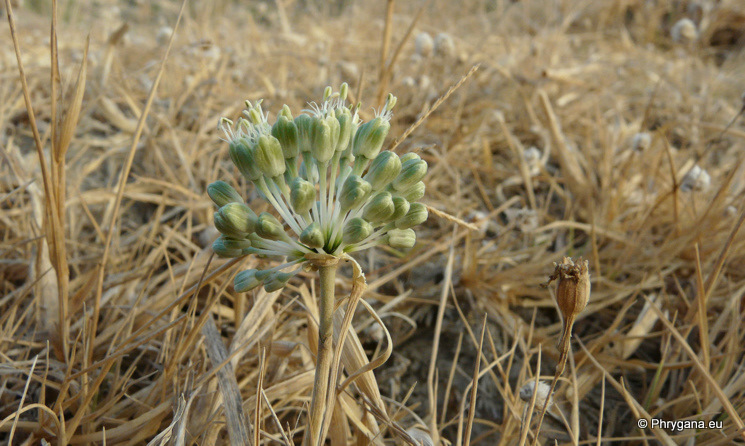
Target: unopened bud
[
  {"x": 304, "y": 124},
  {"x": 276, "y": 281},
  {"x": 246, "y": 281},
  {"x": 401, "y": 238},
  {"x": 312, "y": 236},
  {"x": 268, "y": 227},
  {"x": 222, "y": 249},
  {"x": 236, "y": 219},
  {"x": 384, "y": 168},
  {"x": 414, "y": 193},
  {"x": 344, "y": 116},
  {"x": 356, "y": 230},
  {"x": 402, "y": 208},
  {"x": 242, "y": 155},
  {"x": 412, "y": 171},
  {"x": 380, "y": 208},
  {"x": 285, "y": 131},
  {"x": 370, "y": 137},
  {"x": 223, "y": 193},
  {"x": 417, "y": 215},
  {"x": 269, "y": 156},
  {"x": 302, "y": 195},
  {"x": 354, "y": 192},
  {"x": 322, "y": 146}
]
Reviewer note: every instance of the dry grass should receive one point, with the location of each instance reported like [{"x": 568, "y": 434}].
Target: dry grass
[{"x": 106, "y": 283}]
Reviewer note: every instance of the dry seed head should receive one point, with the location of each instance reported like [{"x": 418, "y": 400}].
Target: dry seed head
[
  {"x": 573, "y": 289},
  {"x": 697, "y": 179}
]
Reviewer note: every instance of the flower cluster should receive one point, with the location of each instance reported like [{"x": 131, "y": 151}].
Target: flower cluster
[{"x": 326, "y": 176}]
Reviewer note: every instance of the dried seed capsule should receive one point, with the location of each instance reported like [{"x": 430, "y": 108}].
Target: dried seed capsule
[
  {"x": 242, "y": 155},
  {"x": 384, "y": 168},
  {"x": 356, "y": 230},
  {"x": 268, "y": 227},
  {"x": 312, "y": 236},
  {"x": 269, "y": 157},
  {"x": 370, "y": 137},
  {"x": 402, "y": 208},
  {"x": 412, "y": 171},
  {"x": 302, "y": 195},
  {"x": 380, "y": 208},
  {"x": 401, "y": 238},
  {"x": 246, "y": 281},
  {"x": 223, "y": 193},
  {"x": 572, "y": 294},
  {"x": 417, "y": 215},
  {"x": 286, "y": 133},
  {"x": 354, "y": 192}
]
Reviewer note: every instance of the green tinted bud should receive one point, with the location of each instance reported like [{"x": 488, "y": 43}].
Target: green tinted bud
[
  {"x": 222, "y": 193},
  {"x": 285, "y": 131},
  {"x": 417, "y": 215},
  {"x": 235, "y": 243},
  {"x": 402, "y": 207},
  {"x": 225, "y": 228},
  {"x": 242, "y": 155},
  {"x": 384, "y": 168},
  {"x": 345, "y": 128},
  {"x": 302, "y": 195},
  {"x": 246, "y": 281},
  {"x": 276, "y": 282},
  {"x": 263, "y": 275},
  {"x": 224, "y": 249},
  {"x": 286, "y": 112},
  {"x": 380, "y": 208},
  {"x": 312, "y": 236},
  {"x": 356, "y": 230},
  {"x": 354, "y": 192},
  {"x": 322, "y": 146},
  {"x": 370, "y": 137},
  {"x": 238, "y": 217},
  {"x": 304, "y": 124},
  {"x": 268, "y": 227},
  {"x": 410, "y": 156},
  {"x": 401, "y": 238},
  {"x": 414, "y": 193},
  {"x": 412, "y": 171},
  {"x": 269, "y": 157}
]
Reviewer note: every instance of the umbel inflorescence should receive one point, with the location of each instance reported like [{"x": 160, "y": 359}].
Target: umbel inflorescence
[{"x": 324, "y": 172}]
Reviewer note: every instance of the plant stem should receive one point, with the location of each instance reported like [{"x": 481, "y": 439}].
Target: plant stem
[{"x": 324, "y": 356}]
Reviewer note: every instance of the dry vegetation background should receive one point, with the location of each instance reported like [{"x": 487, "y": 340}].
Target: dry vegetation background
[{"x": 535, "y": 153}]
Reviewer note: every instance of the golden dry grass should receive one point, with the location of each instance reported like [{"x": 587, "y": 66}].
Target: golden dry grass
[{"x": 102, "y": 321}]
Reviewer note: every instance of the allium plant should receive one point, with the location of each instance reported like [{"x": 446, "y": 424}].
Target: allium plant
[{"x": 335, "y": 192}]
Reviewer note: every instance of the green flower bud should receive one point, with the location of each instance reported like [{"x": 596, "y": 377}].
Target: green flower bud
[
  {"x": 370, "y": 137},
  {"x": 312, "y": 236},
  {"x": 222, "y": 193},
  {"x": 235, "y": 243},
  {"x": 263, "y": 275},
  {"x": 401, "y": 238},
  {"x": 414, "y": 193},
  {"x": 356, "y": 230},
  {"x": 304, "y": 124},
  {"x": 246, "y": 281},
  {"x": 223, "y": 249},
  {"x": 354, "y": 192},
  {"x": 286, "y": 112},
  {"x": 268, "y": 227},
  {"x": 384, "y": 168},
  {"x": 410, "y": 156},
  {"x": 242, "y": 155},
  {"x": 276, "y": 281},
  {"x": 286, "y": 133},
  {"x": 380, "y": 208},
  {"x": 417, "y": 215},
  {"x": 269, "y": 157},
  {"x": 238, "y": 218},
  {"x": 302, "y": 195},
  {"x": 402, "y": 207},
  {"x": 412, "y": 171},
  {"x": 344, "y": 116},
  {"x": 322, "y": 146}
]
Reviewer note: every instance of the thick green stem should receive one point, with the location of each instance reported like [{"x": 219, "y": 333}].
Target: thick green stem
[{"x": 324, "y": 356}]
